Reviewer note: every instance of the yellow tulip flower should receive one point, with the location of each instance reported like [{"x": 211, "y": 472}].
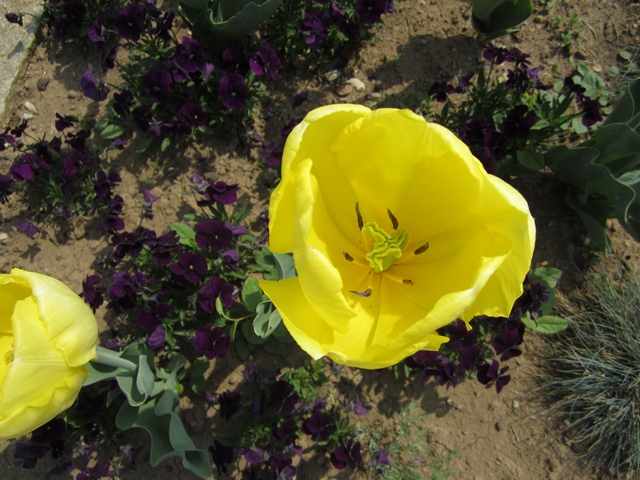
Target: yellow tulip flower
[
  {"x": 396, "y": 230},
  {"x": 47, "y": 335}
]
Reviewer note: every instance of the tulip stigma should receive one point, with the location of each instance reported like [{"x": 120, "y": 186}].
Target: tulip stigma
[{"x": 386, "y": 248}]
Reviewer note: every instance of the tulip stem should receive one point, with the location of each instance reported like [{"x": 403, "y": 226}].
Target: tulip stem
[{"x": 111, "y": 358}]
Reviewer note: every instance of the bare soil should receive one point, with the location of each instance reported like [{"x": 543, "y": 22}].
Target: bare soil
[{"x": 498, "y": 436}]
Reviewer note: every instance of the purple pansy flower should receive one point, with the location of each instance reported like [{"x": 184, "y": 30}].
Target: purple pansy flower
[
  {"x": 104, "y": 183},
  {"x": 213, "y": 235},
  {"x": 92, "y": 88},
  {"x": 157, "y": 338},
  {"x": 266, "y": 62},
  {"x": 489, "y": 374},
  {"x": 29, "y": 229},
  {"x": 212, "y": 289},
  {"x": 370, "y": 11},
  {"x": 233, "y": 92},
  {"x": 212, "y": 342},
  {"x": 93, "y": 295},
  {"x": 319, "y": 426},
  {"x": 192, "y": 267},
  {"x": 130, "y": 21},
  {"x": 158, "y": 82},
  {"x": 229, "y": 402},
  {"x": 348, "y": 454}
]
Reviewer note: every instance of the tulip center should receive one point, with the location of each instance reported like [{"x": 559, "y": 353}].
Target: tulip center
[{"x": 387, "y": 248}]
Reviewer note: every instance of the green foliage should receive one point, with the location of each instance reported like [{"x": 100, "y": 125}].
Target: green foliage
[
  {"x": 213, "y": 22},
  {"x": 603, "y": 173},
  {"x": 307, "y": 380},
  {"x": 545, "y": 323},
  {"x": 593, "y": 377},
  {"x": 494, "y": 18},
  {"x": 152, "y": 402}
]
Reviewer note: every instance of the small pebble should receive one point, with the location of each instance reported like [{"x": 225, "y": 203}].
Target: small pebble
[
  {"x": 331, "y": 75},
  {"x": 345, "y": 90},
  {"x": 357, "y": 83},
  {"x": 43, "y": 83},
  {"x": 4, "y": 238},
  {"x": 515, "y": 404},
  {"x": 31, "y": 107},
  {"x": 499, "y": 426},
  {"x": 74, "y": 94}
]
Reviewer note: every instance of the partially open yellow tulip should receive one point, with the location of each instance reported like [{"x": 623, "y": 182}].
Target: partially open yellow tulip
[
  {"x": 396, "y": 230},
  {"x": 47, "y": 335}
]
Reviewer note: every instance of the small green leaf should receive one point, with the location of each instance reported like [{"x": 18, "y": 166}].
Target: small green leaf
[
  {"x": 165, "y": 144},
  {"x": 186, "y": 234},
  {"x": 111, "y": 132},
  {"x": 267, "y": 319},
  {"x": 547, "y": 276},
  {"x": 284, "y": 266},
  {"x": 531, "y": 160},
  {"x": 550, "y": 324}
]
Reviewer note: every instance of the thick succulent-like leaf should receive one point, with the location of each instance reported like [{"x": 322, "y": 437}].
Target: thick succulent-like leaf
[
  {"x": 492, "y": 18},
  {"x": 168, "y": 435}
]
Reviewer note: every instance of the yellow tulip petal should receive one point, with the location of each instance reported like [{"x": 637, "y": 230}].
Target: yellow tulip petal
[
  {"x": 70, "y": 323},
  {"x": 38, "y": 384},
  {"x": 318, "y": 128}
]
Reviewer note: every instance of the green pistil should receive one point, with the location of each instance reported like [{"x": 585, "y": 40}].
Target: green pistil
[{"x": 386, "y": 248}]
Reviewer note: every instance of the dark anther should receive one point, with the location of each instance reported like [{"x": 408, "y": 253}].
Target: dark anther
[
  {"x": 394, "y": 220},
  {"x": 360, "y": 220},
  {"x": 406, "y": 281},
  {"x": 364, "y": 294},
  {"x": 421, "y": 249},
  {"x": 347, "y": 256}
]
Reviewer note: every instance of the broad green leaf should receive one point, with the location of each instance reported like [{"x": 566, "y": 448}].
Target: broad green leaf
[
  {"x": 284, "y": 266},
  {"x": 251, "y": 294},
  {"x": 550, "y": 324},
  {"x": 531, "y": 160}
]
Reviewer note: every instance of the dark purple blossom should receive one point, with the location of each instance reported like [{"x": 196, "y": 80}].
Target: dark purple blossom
[
  {"x": 317, "y": 28},
  {"x": 157, "y": 338},
  {"x": 14, "y": 18},
  {"x": 287, "y": 433},
  {"x": 122, "y": 102},
  {"x": 356, "y": 407},
  {"x": 78, "y": 140},
  {"x": 230, "y": 259},
  {"x": 213, "y": 235},
  {"x": 507, "y": 342},
  {"x": 282, "y": 398},
  {"x": 95, "y": 32},
  {"x": 300, "y": 98},
  {"x": 440, "y": 90},
  {"x": 92, "y": 88},
  {"x": 229, "y": 402},
  {"x": 465, "y": 80},
  {"x": 104, "y": 183},
  {"x": 29, "y": 453},
  {"x": 19, "y": 130},
  {"x": 266, "y": 62},
  {"x": 108, "y": 57},
  {"x": 147, "y": 205},
  {"x": 319, "y": 426},
  {"x": 272, "y": 153},
  {"x": 534, "y": 296},
  {"x": 153, "y": 312},
  {"x": 64, "y": 122},
  {"x": 492, "y": 374},
  {"x": 222, "y": 456},
  {"x": 282, "y": 467},
  {"x": 92, "y": 293},
  {"x": 124, "y": 290},
  {"x": 383, "y": 457},
  {"x": 189, "y": 57},
  {"x": 233, "y": 61},
  {"x": 518, "y": 122},
  {"x": 112, "y": 222},
  {"x": 213, "y": 289},
  {"x": 191, "y": 267},
  {"x": 130, "y": 21},
  {"x": 434, "y": 364},
  {"x": 6, "y": 184},
  {"x": 163, "y": 247},
  {"x": 212, "y": 342},
  {"x": 26, "y": 167},
  {"x": 221, "y": 192},
  {"x": 192, "y": 115},
  {"x": 494, "y": 54},
  {"x": 233, "y": 92},
  {"x": 158, "y": 82},
  {"x": 591, "y": 111},
  {"x": 253, "y": 456},
  {"x": 348, "y": 454},
  {"x": 29, "y": 229},
  {"x": 6, "y": 139},
  {"x": 370, "y": 11},
  {"x": 163, "y": 26}
]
